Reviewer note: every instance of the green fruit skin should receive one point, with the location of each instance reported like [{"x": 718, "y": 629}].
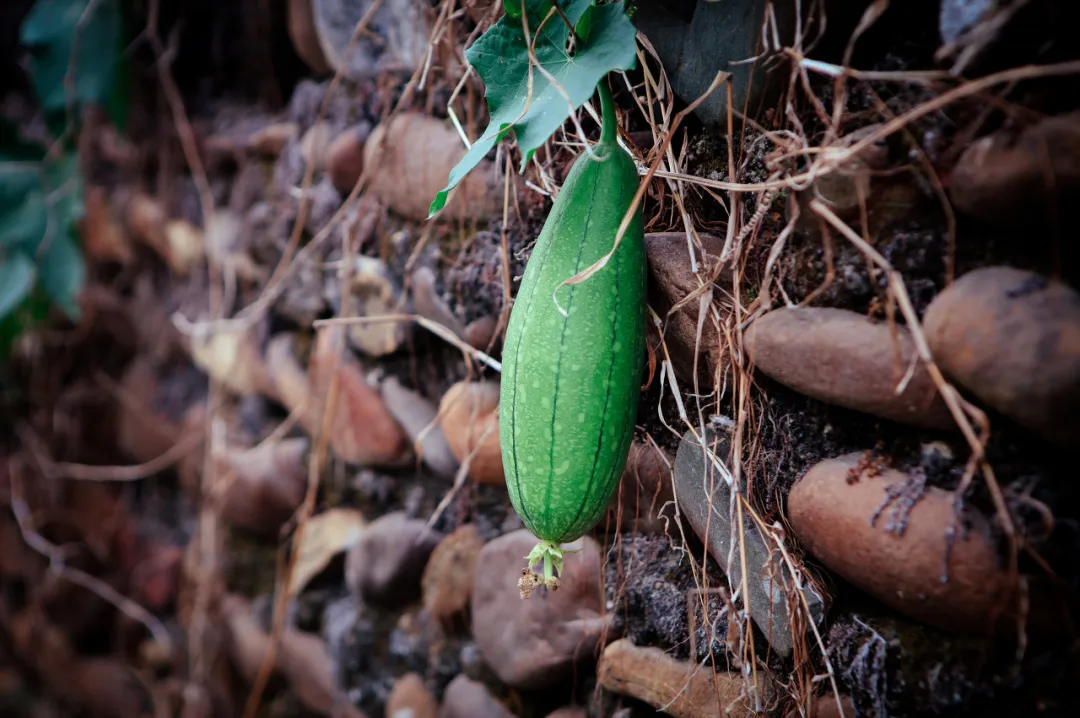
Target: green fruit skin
[{"x": 570, "y": 385}]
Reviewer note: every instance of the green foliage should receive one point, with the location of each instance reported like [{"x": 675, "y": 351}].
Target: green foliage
[
  {"x": 605, "y": 41},
  {"x": 74, "y": 49},
  {"x": 52, "y": 34}
]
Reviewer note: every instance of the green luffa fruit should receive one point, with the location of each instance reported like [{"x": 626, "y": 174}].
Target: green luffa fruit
[{"x": 570, "y": 384}]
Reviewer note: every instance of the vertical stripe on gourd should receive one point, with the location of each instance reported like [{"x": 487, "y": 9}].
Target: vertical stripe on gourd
[{"x": 571, "y": 384}]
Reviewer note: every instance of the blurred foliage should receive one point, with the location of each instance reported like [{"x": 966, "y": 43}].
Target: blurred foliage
[{"x": 74, "y": 59}]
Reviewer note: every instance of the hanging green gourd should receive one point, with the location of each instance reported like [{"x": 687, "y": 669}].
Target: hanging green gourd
[{"x": 573, "y": 354}]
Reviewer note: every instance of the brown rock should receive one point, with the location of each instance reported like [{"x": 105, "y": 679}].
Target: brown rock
[
  {"x": 1015, "y": 177},
  {"x": 559, "y": 628},
  {"x": 899, "y": 556},
  {"x": 385, "y": 566},
  {"x": 469, "y": 418},
  {"x": 363, "y": 430},
  {"x": 679, "y": 688},
  {"x": 1013, "y": 338},
  {"x": 825, "y": 706},
  {"x": 644, "y": 488},
  {"x": 411, "y": 699},
  {"x": 301, "y": 659},
  {"x": 448, "y": 577},
  {"x": 466, "y": 698},
  {"x": 266, "y": 485},
  {"x": 314, "y": 144},
  {"x": 270, "y": 141},
  {"x": 143, "y": 434},
  {"x": 857, "y": 182},
  {"x": 146, "y": 220},
  {"x": 104, "y": 687},
  {"x": 670, "y": 282},
  {"x": 304, "y": 37},
  {"x": 843, "y": 358},
  {"x": 345, "y": 157},
  {"x": 414, "y": 154},
  {"x": 479, "y": 333},
  {"x": 103, "y": 237}
]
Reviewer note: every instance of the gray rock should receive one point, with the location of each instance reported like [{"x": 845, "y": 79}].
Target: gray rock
[
  {"x": 398, "y": 39},
  {"x": 695, "y": 40},
  {"x": 959, "y": 16},
  {"x": 429, "y": 304},
  {"x": 698, "y": 487},
  {"x": 384, "y": 567},
  {"x": 416, "y": 415}
]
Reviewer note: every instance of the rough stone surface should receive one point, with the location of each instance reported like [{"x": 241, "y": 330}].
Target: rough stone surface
[
  {"x": 697, "y": 40},
  {"x": 959, "y": 16},
  {"x": 412, "y": 156},
  {"x": 345, "y": 157},
  {"x": 1012, "y": 337},
  {"x": 363, "y": 430},
  {"x": 397, "y": 40},
  {"x": 679, "y": 688},
  {"x": 643, "y": 491},
  {"x": 417, "y": 415},
  {"x": 469, "y": 418},
  {"x": 888, "y": 534},
  {"x": 534, "y": 643},
  {"x": 671, "y": 280},
  {"x": 385, "y": 565},
  {"x": 448, "y": 578},
  {"x": 466, "y": 698},
  {"x": 429, "y": 304},
  {"x": 702, "y": 491},
  {"x": 1014, "y": 178},
  {"x": 843, "y": 358}
]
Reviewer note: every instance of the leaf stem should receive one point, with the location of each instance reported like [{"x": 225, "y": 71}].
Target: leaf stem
[{"x": 609, "y": 129}]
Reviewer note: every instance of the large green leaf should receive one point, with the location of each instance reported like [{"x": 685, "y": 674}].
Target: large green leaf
[
  {"x": 16, "y": 280},
  {"x": 606, "y": 42},
  {"x": 51, "y": 31}
]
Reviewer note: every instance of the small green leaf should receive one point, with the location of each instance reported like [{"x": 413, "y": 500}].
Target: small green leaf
[
  {"x": 51, "y": 31},
  {"x": 17, "y": 275},
  {"x": 501, "y": 59}
]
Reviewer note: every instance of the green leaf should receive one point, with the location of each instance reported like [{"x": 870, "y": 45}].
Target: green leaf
[
  {"x": 501, "y": 59},
  {"x": 60, "y": 262},
  {"x": 51, "y": 31},
  {"x": 40, "y": 206},
  {"x": 63, "y": 272},
  {"x": 16, "y": 280},
  {"x": 22, "y": 205}
]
